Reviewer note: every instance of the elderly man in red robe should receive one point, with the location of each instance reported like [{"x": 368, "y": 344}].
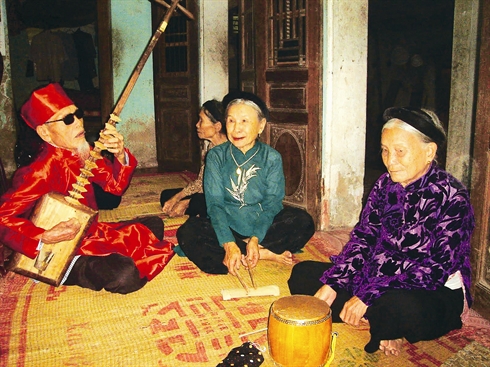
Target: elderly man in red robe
[{"x": 118, "y": 257}]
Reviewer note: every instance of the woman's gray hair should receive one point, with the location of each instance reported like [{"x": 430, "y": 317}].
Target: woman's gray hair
[
  {"x": 395, "y": 122},
  {"x": 247, "y": 102}
]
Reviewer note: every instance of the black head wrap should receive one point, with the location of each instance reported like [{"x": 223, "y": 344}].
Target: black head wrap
[
  {"x": 247, "y": 96},
  {"x": 419, "y": 120}
]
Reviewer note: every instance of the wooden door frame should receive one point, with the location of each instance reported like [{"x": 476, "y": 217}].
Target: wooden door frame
[
  {"x": 106, "y": 79},
  {"x": 480, "y": 195},
  {"x": 247, "y": 74}
]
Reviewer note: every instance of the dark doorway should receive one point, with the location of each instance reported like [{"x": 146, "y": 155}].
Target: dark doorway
[
  {"x": 409, "y": 64},
  {"x": 65, "y": 42}
]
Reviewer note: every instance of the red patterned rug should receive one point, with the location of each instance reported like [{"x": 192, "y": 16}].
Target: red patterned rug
[{"x": 180, "y": 319}]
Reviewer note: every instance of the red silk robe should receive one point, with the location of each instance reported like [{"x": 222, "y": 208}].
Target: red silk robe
[{"x": 56, "y": 170}]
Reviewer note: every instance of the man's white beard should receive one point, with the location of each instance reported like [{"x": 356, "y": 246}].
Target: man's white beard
[{"x": 83, "y": 151}]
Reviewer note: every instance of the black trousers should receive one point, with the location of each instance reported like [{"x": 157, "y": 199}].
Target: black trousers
[
  {"x": 290, "y": 230},
  {"x": 197, "y": 203},
  {"x": 411, "y": 314},
  {"x": 105, "y": 200},
  {"x": 114, "y": 272}
]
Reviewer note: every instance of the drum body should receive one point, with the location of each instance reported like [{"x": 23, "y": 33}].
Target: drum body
[
  {"x": 299, "y": 331},
  {"x": 53, "y": 260}
]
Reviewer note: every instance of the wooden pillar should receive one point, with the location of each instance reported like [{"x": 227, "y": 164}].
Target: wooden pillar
[{"x": 480, "y": 194}]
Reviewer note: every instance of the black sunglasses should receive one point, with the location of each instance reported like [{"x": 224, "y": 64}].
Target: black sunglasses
[{"x": 70, "y": 118}]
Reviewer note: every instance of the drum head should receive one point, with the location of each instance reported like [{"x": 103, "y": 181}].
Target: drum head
[{"x": 301, "y": 309}]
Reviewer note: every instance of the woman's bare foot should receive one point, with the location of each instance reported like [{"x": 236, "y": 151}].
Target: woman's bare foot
[
  {"x": 391, "y": 347},
  {"x": 285, "y": 258}
]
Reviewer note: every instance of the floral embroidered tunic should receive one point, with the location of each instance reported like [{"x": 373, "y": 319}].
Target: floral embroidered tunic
[
  {"x": 245, "y": 199},
  {"x": 196, "y": 186},
  {"x": 411, "y": 237}
]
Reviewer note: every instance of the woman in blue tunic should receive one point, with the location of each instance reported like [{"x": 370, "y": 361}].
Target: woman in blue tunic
[
  {"x": 244, "y": 188},
  {"x": 405, "y": 270}
]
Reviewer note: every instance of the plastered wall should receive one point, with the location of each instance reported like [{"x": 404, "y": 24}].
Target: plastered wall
[
  {"x": 344, "y": 112},
  {"x": 7, "y": 116},
  {"x": 132, "y": 31},
  {"x": 214, "y": 49}
]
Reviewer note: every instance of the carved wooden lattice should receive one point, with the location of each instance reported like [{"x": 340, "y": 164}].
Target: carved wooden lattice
[
  {"x": 290, "y": 141},
  {"x": 288, "y": 25},
  {"x": 176, "y": 44}
]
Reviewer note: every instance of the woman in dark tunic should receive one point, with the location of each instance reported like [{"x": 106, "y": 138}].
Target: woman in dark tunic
[{"x": 405, "y": 270}]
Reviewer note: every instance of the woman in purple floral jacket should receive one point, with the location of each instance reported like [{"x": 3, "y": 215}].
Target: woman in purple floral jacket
[{"x": 405, "y": 270}]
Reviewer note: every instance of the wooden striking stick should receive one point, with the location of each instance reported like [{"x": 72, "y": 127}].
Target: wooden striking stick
[
  {"x": 181, "y": 8},
  {"x": 241, "y": 281},
  {"x": 252, "y": 332},
  {"x": 251, "y": 274}
]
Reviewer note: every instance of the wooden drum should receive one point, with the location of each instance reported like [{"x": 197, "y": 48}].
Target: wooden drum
[{"x": 299, "y": 331}]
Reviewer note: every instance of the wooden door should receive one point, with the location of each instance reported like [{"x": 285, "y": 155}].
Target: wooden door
[
  {"x": 288, "y": 68},
  {"x": 480, "y": 193},
  {"x": 247, "y": 47},
  {"x": 176, "y": 84},
  {"x": 106, "y": 84}
]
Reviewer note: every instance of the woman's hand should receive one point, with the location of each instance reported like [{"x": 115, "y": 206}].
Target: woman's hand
[
  {"x": 233, "y": 257},
  {"x": 179, "y": 208},
  {"x": 327, "y": 294},
  {"x": 63, "y": 231},
  {"x": 252, "y": 257},
  {"x": 169, "y": 204},
  {"x": 353, "y": 311},
  {"x": 175, "y": 206}
]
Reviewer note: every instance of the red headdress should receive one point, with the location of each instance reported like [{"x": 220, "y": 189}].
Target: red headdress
[{"x": 43, "y": 104}]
